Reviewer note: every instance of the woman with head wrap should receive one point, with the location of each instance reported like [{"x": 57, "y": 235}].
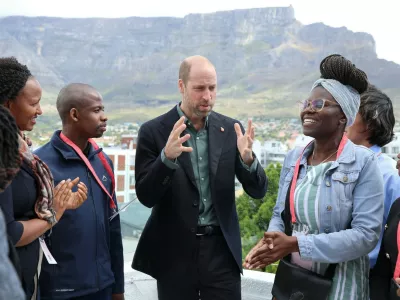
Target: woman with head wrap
[
  {"x": 329, "y": 209},
  {"x": 30, "y": 202}
]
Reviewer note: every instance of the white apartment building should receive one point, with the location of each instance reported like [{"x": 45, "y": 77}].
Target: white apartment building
[
  {"x": 124, "y": 172},
  {"x": 302, "y": 141},
  {"x": 269, "y": 151}
]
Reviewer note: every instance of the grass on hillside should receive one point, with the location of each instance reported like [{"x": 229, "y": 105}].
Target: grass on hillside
[{"x": 277, "y": 102}]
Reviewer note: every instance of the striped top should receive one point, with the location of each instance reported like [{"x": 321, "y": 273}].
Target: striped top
[{"x": 351, "y": 278}]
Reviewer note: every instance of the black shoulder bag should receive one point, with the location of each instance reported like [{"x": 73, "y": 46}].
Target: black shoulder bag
[
  {"x": 293, "y": 282},
  {"x": 394, "y": 290}
]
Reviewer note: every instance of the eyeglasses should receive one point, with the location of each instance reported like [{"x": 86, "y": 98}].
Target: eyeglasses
[{"x": 316, "y": 105}]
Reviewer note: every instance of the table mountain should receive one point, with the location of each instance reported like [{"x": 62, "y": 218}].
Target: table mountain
[{"x": 266, "y": 60}]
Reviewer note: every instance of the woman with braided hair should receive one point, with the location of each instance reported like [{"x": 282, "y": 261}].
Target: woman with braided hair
[
  {"x": 329, "y": 209},
  {"x": 10, "y": 284},
  {"x": 31, "y": 204},
  {"x": 9, "y": 155}
]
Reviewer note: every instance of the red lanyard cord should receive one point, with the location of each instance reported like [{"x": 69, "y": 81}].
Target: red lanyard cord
[
  {"x": 89, "y": 166},
  {"x": 296, "y": 174}
]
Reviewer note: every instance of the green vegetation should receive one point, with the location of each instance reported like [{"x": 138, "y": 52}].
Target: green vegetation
[{"x": 255, "y": 215}]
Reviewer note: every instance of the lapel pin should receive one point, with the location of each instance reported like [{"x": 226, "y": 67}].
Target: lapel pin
[{"x": 222, "y": 129}]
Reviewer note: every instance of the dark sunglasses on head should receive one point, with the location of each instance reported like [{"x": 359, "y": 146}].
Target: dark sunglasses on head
[{"x": 316, "y": 105}]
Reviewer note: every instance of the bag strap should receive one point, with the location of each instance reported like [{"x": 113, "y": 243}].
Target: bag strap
[
  {"x": 287, "y": 220},
  {"x": 89, "y": 166},
  {"x": 397, "y": 268},
  {"x": 286, "y": 215},
  {"x": 342, "y": 144}
]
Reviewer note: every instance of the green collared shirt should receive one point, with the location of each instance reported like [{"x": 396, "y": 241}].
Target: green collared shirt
[{"x": 199, "y": 158}]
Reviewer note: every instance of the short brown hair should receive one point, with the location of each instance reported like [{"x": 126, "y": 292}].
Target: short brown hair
[{"x": 184, "y": 71}]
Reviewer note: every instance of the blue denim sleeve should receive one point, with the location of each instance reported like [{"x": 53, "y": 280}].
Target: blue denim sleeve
[{"x": 366, "y": 224}]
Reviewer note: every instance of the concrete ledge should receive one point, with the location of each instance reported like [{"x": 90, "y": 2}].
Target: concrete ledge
[
  {"x": 257, "y": 285},
  {"x": 139, "y": 286}
]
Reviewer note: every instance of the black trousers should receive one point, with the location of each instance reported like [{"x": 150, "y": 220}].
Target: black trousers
[{"x": 212, "y": 275}]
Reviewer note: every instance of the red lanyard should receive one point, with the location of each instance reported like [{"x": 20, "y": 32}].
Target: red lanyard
[
  {"x": 397, "y": 269},
  {"x": 89, "y": 166},
  {"x": 296, "y": 174}
]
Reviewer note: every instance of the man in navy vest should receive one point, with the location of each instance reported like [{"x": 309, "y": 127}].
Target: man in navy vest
[{"x": 86, "y": 244}]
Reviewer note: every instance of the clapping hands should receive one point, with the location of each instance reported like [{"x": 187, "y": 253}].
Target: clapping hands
[{"x": 271, "y": 248}]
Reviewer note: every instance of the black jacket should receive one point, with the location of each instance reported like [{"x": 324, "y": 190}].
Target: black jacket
[
  {"x": 17, "y": 202},
  {"x": 382, "y": 274},
  {"x": 169, "y": 235},
  {"x": 85, "y": 244}
]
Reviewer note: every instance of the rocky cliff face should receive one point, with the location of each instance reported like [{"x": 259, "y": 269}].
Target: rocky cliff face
[{"x": 136, "y": 60}]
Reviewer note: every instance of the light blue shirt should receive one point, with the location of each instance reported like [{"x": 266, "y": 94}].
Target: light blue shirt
[
  {"x": 351, "y": 194},
  {"x": 391, "y": 183}
]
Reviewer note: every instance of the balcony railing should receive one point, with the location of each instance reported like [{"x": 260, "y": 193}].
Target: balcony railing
[{"x": 139, "y": 286}]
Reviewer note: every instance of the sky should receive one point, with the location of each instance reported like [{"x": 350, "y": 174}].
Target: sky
[{"x": 379, "y": 18}]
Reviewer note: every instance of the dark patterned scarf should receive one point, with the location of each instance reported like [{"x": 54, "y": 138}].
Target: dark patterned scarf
[{"x": 44, "y": 180}]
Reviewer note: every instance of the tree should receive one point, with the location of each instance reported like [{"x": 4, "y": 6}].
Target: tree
[{"x": 255, "y": 214}]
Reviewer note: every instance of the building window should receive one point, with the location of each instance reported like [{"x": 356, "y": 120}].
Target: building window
[
  {"x": 120, "y": 183},
  {"x": 121, "y": 162},
  {"x": 132, "y": 180},
  {"x": 395, "y": 150},
  {"x": 131, "y": 160}
]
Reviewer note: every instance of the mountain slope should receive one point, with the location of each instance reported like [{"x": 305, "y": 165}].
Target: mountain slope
[{"x": 266, "y": 60}]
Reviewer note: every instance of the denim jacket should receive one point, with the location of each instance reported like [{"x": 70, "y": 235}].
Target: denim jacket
[{"x": 350, "y": 205}]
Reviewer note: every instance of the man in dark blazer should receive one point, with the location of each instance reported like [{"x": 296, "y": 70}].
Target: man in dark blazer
[{"x": 186, "y": 162}]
